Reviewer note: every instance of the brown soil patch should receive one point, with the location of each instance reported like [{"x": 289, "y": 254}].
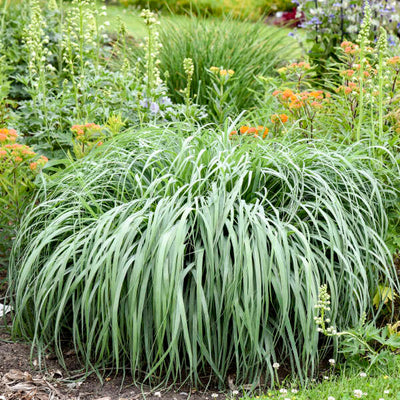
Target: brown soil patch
[{"x": 21, "y": 379}]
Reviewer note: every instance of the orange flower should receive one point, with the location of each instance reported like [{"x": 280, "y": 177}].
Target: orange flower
[
  {"x": 265, "y": 133},
  {"x": 345, "y": 44},
  {"x": 304, "y": 65},
  {"x": 279, "y": 118},
  {"x": 349, "y": 47},
  {"x": 8, "y": 135},
  {"x": 348, "y": 73},
  {"x": 244, "y": 129},
  {"x": 394, "y": 60},
  {"x": 33, "y": 166},
  {"x": 315, "y": 104},
  {"x": 287, "y": 94},
  {"x": 296, "y": 104},
  {"x": 284, "y": 118},
  {"x": 233, "y": 133}
]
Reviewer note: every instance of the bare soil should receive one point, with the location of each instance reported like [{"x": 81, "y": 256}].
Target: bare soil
[{"x": 22, "y": 379}]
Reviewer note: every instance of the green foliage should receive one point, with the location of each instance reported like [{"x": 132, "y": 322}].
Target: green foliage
[
  {"x": 69, "y": 77},
  {"x": 19, "y": 165},
  {"x": 366, "y": 344},
  {"x": 248, "y": 49},
  {"x": 179, "y": 257},
  {"x": 239, "y": 8}
]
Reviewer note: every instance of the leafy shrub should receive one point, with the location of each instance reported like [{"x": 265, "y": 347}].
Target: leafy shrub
[
  {"x": 19, "y": 165},
  {"x": 248, "y": 49},
  {"x": 188, "y": 257}
]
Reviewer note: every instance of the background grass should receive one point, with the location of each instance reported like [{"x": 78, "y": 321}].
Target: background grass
[
  {"x": 250, "y": 49},
  {"x": 238, "y": 8}
]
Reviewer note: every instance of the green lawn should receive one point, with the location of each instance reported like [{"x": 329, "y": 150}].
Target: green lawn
[
  {"x": 375, "y": 385},
  {"x": 132, "y": 20},
  {"x": 135, "y": 25}
]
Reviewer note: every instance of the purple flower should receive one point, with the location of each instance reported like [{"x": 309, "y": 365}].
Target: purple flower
[
  {"x": 144, "y": 103},
  {"x": 315, "y": 21},
  {"x": 391, "y": 41},
  {"x": 166, "y": 101},
  {"x": 154, "y": 108}
]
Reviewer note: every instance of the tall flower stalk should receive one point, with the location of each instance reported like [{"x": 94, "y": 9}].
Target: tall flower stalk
[
  {"x": 363, "y": 43},
  {"x": 80, "y": 41},
  {"x": 382, "y": 47},
  {"x": 189, "y": 71},
  {"x": 152, "y": 49}
]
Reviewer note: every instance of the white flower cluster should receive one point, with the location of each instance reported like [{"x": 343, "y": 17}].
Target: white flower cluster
[
  {"x": 188, "y": 66},
  {"x": 363, "y": 36},
  {"x": 152, "y": 47},
  {"x": 81, "y": 33},
  {"x": 53, "y": 5},
  {"x": 36, "y": 43},
  {"x": 323, "y": 305}
]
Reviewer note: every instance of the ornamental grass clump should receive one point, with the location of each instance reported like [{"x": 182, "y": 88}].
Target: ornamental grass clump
[
  {"x": 248, "y": 49},
  {"x": 180, "y": 258}
]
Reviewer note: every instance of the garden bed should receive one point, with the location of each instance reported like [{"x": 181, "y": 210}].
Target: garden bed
[{"x": 210, "y": 204}]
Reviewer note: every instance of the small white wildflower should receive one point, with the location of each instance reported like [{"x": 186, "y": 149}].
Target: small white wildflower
[
  {"x": 235, "y": 392},
  {"x": 107, "y": 23},
  {"x": 326, "y": 377},
  {"x": 358, "y": 393},
  {"x": 276, "y": 365},
  {"x": 386, "y": 391},
  {"x": 363, "y": 374},
  {"x": 381, "y": 398},
  {"x": 332, "y": 361},
  {"x": 295, "y": 391},
  {"x": 214, "y": 395},
  {"x": 157, "y": 394},
  {"x": 331, "y": 398},
  {"x": 283, "y": 391}
]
